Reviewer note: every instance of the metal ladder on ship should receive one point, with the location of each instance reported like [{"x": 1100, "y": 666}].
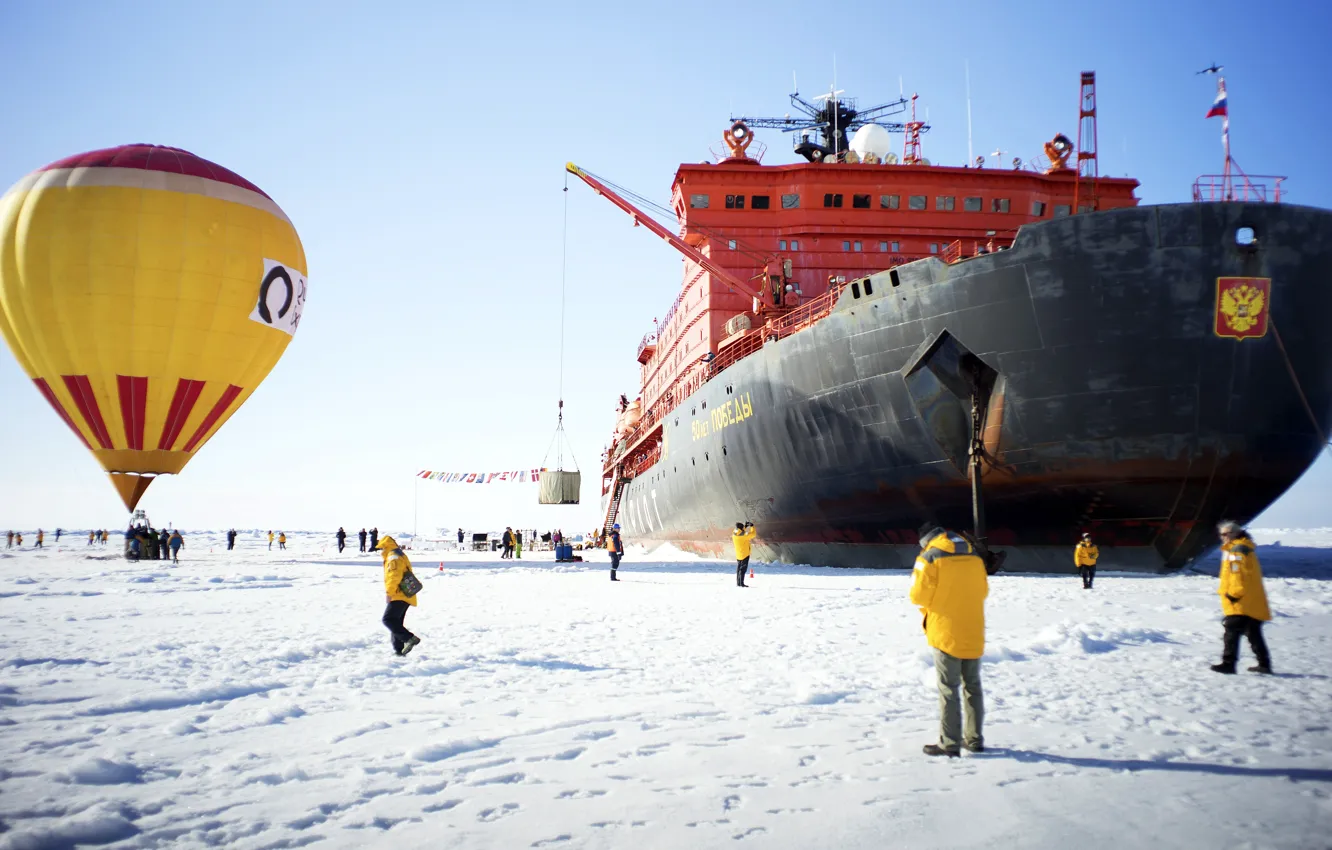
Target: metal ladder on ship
[{"x": 613, "y": 507}]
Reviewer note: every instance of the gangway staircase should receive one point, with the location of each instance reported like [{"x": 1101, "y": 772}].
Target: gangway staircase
[{"x": 613, "y": 507}]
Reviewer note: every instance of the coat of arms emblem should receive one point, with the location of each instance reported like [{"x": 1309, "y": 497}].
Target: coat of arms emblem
[{"x": 1242, "y": 306}]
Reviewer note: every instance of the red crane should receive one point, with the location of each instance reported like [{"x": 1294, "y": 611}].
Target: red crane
[{"x": 640, "y": 217}]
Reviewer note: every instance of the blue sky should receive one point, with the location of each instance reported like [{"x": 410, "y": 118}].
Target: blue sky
[{"x": 419, "y": 149}]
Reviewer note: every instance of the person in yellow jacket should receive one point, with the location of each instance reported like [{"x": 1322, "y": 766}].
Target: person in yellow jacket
[
  {"x": 1085, "y": 557},
  {"x": 282, "y": 540},
  {"x": 270, "y": 540},
  {"x": 1243, "y": 600},
  {"x": 950, "y": 587},
  {"x": 396, "y": 567},
  {"x": 742, "y": 538}
]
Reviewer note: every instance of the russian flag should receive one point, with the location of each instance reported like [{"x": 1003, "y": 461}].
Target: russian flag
[{"x": 1219, "y": 105}]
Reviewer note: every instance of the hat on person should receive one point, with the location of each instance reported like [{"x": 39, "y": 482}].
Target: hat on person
[
  {"x": 739, "y": 526},
  {"x": 1229, "y": 526},
  {"x": 386, "y": 542},
  {"x": 615, "y": 527},
  {"x": 1086, "y": 535},
  {"x": 927, "y": 531}
]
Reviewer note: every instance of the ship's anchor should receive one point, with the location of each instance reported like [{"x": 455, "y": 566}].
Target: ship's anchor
[{"x": 973, "y": 369}]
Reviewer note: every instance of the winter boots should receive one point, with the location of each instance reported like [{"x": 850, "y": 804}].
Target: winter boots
[{"x": 936, "y": 750}]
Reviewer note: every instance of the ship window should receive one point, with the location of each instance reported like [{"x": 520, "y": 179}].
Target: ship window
[
  {"x": 705, "y": 456},
  {"x": 857, "y": 247},
  {"x": 795, "y": 244},
  {"x": 943, "y": 202},
  {"x": 869, "y": 287},
  {"x": 1038, "y": 208},
  {"x": 860, "y": 202},
  {"x": 735, "y": 202},
  {"x": 855, "y": 290},
  {"x": 971, "y": 204},
  {"x": 723, "y": 450},
  {"x": 934, "y": 247},
  {"x": 916, "y": 202},
  {"x": 892, "y": 276},
  {"x": 883, "y": 247},
  {"x": 730, "y": 243},
  {"x": 1062, "y": 210},
  {"x": 846, "y": 246},
  {"x": 704, "y": 405},
  {"x": 760, "y": 202},
  {"x": 790, "y": 202},
  {"x": 831, "y": 200},
  {"x": 698, "y": 202},
  {"x": 1245, "y": 236},
  {"x": 890, "y": 202},
  {"x": 781, "y": 244},
  {"x": 897, "y": 246},
  {"x": 999, "y": 205}
]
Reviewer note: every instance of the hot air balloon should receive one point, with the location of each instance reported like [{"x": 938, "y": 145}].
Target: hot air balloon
[{"x": 147, "y": 292}]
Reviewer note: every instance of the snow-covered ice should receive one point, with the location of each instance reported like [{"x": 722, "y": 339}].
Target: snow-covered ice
[{"x": 249, "y": 699}]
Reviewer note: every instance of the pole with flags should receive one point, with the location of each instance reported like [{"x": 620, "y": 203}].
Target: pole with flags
[{"x": 1221, "y": 108}]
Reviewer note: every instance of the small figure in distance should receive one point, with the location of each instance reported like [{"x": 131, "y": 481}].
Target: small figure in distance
[
  {"x": 362, "y": 536},
  {"x": 1085, "y": 557},
  {"x": 615, "y": 548},
  {"x": 342, "y": 539},
  {"x": 1243, "y": 600},
  {"x": 742, "y": 538},
  {"x": 176, "y": 542}
]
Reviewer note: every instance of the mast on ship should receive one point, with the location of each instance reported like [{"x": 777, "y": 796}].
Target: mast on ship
[{"x": 832, "y": 117}]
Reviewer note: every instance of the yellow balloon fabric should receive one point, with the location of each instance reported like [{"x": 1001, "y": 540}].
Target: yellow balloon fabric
[{"x": 147, "y": 292}]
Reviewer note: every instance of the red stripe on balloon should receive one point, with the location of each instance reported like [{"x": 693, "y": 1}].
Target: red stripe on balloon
[
  {"x": 182, "y": 404},
  {"x": 228, "y": 396},
  {"x": 86, "y": 401},
  {"x": 45, "y": 389},
  {"x": 133, "y": 406}
]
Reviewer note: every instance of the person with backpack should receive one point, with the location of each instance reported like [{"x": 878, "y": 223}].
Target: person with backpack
[
  {"x": 176, "y": 542},
  {"x": 615, "y": 547},
  {"x": 397, "y": 569}
]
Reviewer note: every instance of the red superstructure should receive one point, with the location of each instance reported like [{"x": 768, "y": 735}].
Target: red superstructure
[{"x": 768, "y": 248}]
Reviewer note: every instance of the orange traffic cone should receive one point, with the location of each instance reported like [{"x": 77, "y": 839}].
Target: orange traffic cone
[{"x": 751, "y": 572}]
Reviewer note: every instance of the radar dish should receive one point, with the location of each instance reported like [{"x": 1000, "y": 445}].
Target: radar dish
[
  {"x": 871, "y": 139},
  {"x": 890, "y": 158}
]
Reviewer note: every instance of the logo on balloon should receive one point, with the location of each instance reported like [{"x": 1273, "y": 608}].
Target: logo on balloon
[{"x": 281, "y": 298}]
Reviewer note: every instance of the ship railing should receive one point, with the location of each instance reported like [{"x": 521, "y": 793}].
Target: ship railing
[
  {"x": 952, "y": 252},
  {"x": 690, "y": 380},
  {"x": 1255, "y": 188}
]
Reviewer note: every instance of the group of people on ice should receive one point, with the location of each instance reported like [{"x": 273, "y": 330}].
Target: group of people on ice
[
  {"x": 950, "y": 584},
  {"x": 144, "y": 543}
]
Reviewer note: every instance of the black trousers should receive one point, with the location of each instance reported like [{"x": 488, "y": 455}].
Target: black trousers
[
  {"x": 362, "y": 544},
  {"x": 741, "y": 565},
  {"x": 1088, "y": 575},
  {"x": 1236, "y": 626},
  {"x": 341, "y": 544},
  {"x": 393, "y": 617},
  {"x": 615, "y": 563}
]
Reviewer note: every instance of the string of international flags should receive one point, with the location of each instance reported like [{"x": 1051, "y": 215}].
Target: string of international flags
[{"x": 517, "y": 476}]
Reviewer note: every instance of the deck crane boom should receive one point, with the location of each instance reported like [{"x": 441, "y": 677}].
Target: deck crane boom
[{"x": 640, "y": 217}]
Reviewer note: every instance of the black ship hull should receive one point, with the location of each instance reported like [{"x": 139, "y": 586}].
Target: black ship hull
[{"x": 1116, "y": 407}]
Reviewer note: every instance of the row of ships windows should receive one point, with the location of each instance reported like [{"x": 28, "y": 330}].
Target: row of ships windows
[
  {"x": 945, "y": 203},
  {"x": 847, "y": 245}
]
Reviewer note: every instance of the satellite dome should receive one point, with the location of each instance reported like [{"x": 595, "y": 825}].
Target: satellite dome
[{"x": 871, "y": 139}]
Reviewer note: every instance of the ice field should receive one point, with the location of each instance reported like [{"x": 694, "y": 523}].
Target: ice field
[{"x": 249, "y": 699}]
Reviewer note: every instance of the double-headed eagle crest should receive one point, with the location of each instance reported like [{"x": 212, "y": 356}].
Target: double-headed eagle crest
[{"x": 1241, "y": 306}]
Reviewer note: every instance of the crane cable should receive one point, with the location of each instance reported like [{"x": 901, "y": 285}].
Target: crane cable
[{"x": 556, "y": 443}]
